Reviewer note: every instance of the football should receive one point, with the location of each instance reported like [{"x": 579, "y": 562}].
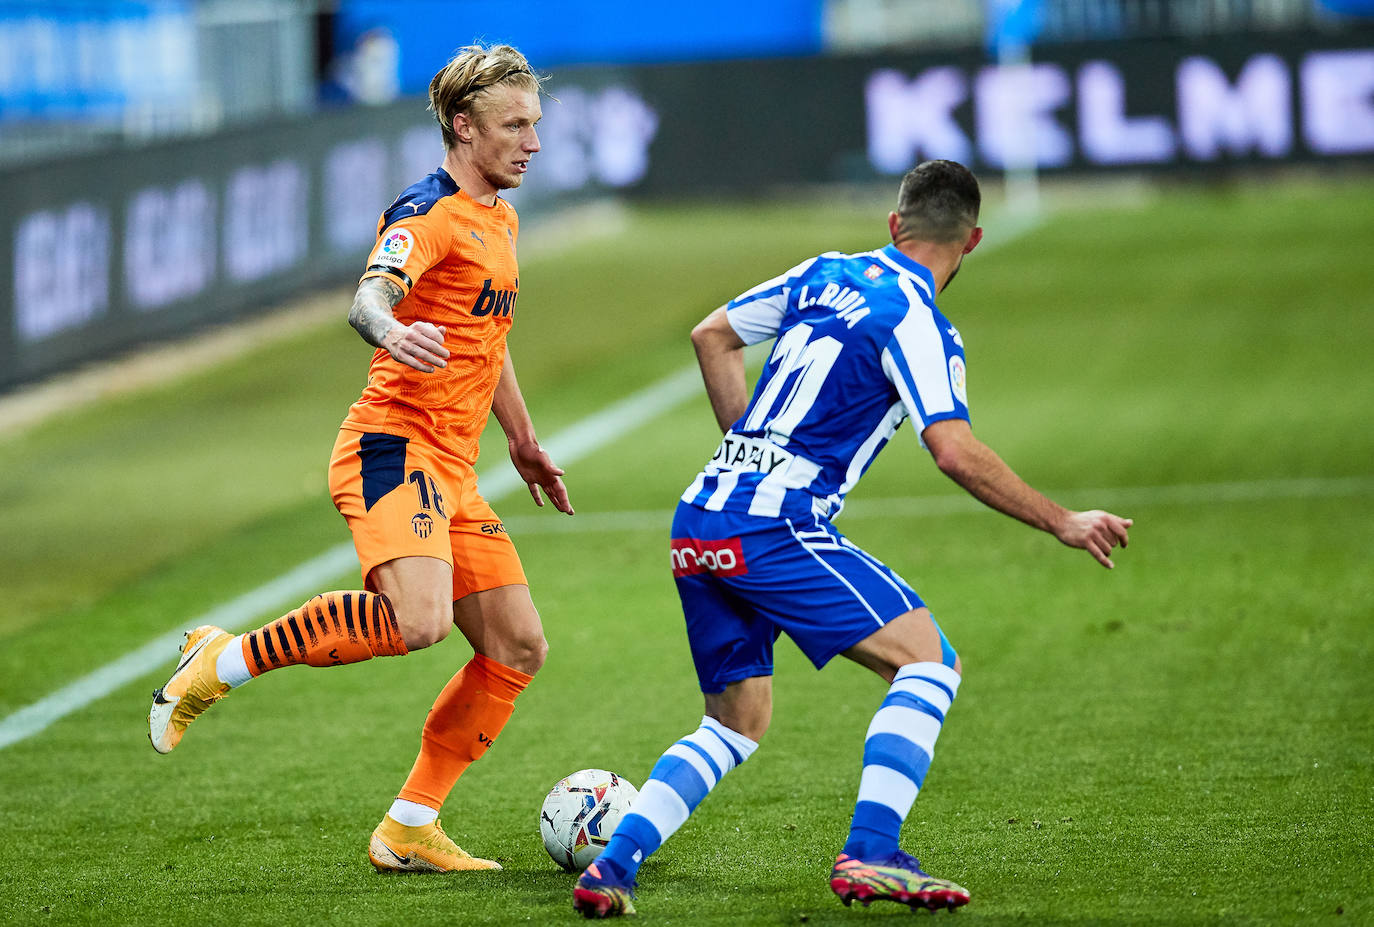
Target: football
[{"x": 580, "y": 813}]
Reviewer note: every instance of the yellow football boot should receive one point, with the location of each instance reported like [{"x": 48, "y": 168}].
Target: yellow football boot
[
  {"x": 397, "y": 848},
  {"x": 193, "y": 688}
]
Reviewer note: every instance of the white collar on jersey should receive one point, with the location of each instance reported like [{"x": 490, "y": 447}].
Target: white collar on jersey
[{"x": 903, "y": 264}]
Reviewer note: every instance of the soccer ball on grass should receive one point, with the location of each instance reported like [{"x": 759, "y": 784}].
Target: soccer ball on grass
[{"x": 580, "y": 813}]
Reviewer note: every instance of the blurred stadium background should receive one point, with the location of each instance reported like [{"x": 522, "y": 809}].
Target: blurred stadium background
[
  {"x": 164, "y": 163},
  {"x": 1175, "y": 303}
]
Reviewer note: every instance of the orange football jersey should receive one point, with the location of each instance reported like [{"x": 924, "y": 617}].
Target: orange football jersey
[{"x": 455, "y": 259}]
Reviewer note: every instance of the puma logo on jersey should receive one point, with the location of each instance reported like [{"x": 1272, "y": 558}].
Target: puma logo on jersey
[
  {"x": 415, "y": 207},
  {"x": 494, "y": 302},
  {"x": 478, "y": 237}
]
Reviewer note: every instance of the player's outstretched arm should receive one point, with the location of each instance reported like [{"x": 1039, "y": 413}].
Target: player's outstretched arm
[
  {"x": 720, "y": 353},
  {"x": 977, "y": 468},
  {"x": 419, "y": 344},
  {"x": 531, "y": 461}
]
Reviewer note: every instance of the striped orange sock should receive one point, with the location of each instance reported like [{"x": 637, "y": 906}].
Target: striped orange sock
[
  {"x": 466, "y": 717},
  {"x": 330, "y": 630}
]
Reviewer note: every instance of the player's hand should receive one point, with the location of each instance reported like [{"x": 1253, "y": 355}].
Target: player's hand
[
  {"x": 419, "y": 345},
  {"x": 1097, "y": 532},
  {"x": 538, "y": 470}
]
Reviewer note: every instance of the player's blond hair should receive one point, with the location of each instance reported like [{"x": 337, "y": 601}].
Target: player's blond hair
[{"x": 460, "y": 85}]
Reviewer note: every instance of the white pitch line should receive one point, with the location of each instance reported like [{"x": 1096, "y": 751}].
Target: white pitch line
[
  {"x": 566, "y": 447},
  {"x": 296, "y": 584}
]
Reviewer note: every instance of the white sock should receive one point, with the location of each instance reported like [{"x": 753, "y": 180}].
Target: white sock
[
  {"x": 412, "y": 814},
  {"x": 230, "y": 666},
  {"x": 681, "y": 778},
  {"x": 898, "y": 749}
]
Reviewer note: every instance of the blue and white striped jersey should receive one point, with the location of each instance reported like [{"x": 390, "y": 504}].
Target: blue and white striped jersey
[{"x": 860, "y": 348}]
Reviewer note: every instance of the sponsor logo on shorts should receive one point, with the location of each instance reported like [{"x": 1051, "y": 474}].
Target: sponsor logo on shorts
[
  {"x": 395, "y": 248},
  {"x": 493, "y": 527},
  {"x": 692, "y": 556},
  {"x": 422, "y": 525}
]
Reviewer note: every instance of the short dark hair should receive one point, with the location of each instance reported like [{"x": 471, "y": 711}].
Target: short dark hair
[{"x": 938, "y": 201}]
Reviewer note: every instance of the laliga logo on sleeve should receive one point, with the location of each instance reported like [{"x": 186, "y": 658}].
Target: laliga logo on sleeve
[
  {"x": 958, "y": 378},
  {"x": 395, "y": 248}
]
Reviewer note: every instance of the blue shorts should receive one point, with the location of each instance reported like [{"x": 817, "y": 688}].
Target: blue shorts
[{"x": 744, "y": 580}]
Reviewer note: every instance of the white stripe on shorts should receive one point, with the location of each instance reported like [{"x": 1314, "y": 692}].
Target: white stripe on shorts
[
  {"x": 877, "y": 566},
  {"x": 831, "y": 570}
]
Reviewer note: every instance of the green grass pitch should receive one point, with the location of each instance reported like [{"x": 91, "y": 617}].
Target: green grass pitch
[{"x": 1188, "y": 739}]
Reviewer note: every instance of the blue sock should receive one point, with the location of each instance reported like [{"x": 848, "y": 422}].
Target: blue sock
[
  {"x": 680, "y": 779},
  {"x": 897, "y": 752}
]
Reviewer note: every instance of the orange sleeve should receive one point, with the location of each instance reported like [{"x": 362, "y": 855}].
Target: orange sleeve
[{"x": 409, "y": 247}]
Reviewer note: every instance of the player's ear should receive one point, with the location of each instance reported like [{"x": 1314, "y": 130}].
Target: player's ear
[
  {"x": 973, "y": 238},
  {"x": 894, "y": 225},
  {"x": 462, "y": 127}
]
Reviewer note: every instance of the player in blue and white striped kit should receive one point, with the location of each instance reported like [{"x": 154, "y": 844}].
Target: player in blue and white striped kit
[{"x": 860, "y": 347}]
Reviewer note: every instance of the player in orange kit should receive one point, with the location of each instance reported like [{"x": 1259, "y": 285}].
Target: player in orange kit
[{"x": 437, "y": 299}]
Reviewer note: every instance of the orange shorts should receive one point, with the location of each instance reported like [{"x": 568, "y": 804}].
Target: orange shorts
[{"x": 404, "y": 498}]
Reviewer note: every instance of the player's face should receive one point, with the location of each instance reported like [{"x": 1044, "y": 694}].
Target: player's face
[{"x": 504, "y": 140}]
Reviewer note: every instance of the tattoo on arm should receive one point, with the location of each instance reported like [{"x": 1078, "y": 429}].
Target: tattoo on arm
[{"x": 371, "y": 313}]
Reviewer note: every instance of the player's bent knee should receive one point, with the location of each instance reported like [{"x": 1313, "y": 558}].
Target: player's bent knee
[
  {"x": 528, "y": 654},
  {"x": 423, "y": 626},
  {"x": 939, "y": 650},
  {"x": 420, "y": 590},
  {"x": 745, "y": 708},
  {"x": 751, "y": 726},
  {"x": 754, "y": 731},
  {"x": 418, "y": 638},
  {"x": 525, "y": 653}
]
